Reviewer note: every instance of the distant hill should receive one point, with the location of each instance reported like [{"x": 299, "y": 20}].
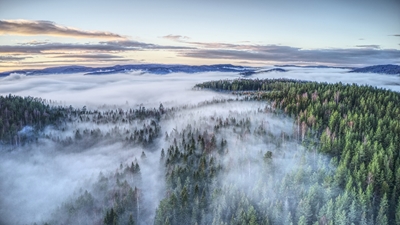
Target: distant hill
[
  {"x": 166, "y": 69},
  {"x": 385, "y": 69},
  {"x": 145, "y": 68},
  {"x": 249, "y": 73},
  {"x": 317, "y": 66},
  {"x": 50, "y": 70}
]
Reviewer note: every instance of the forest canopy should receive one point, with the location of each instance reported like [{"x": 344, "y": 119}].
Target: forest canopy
[{"x": 277, "y": 151}]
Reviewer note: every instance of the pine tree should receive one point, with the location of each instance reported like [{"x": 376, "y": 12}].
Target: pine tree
[
  {"x": 302, "y": 220},
  {"x": 382, "y": 219},
  {"x": 397, "y": 216},
  {"x": 131, "y": 221},
  {"x": 162, "y": 154},
  {"x": 251, "y": 213}
]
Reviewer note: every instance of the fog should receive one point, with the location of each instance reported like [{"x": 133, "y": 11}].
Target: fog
[
  {"x": 149, "y": 89},
  {"x": 118, "y": 89},
  {"x": 333, "y": 75},
  {"x": 247, "y": 174},
  {"x": 37, "y": 178}
]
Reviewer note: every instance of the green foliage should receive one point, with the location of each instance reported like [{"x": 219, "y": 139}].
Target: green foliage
[
  {"x": 358, "y": 126},
  {"x": 17, "y": 112}
]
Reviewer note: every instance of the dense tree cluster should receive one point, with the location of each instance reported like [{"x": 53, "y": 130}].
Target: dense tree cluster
[
  {"x": 23, "y": 120},
  {"x": 132, "y": 126},
  {"x": 113, "y": 199},
  {"x": 32, "y": 113},
  {"x": 256, "y": 191},
  {"x": 358, "y": 126}
]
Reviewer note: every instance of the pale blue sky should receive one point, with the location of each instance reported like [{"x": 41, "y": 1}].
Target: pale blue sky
[{"x": 309, "y": 27}]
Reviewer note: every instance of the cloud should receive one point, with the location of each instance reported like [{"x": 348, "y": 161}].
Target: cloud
[
  {"x": 243, "y": 51},
  {"x": 362, "y": 55},
  {"x": 11, "y": 58},
  {"x": 35, "y": 42},
  {"x": 179, "y": 38},
  {"x": 14, "y": 76},
  {"x": 115, "y": 89},
  {"x": 288, "y": 54},
  {"x": 108, "y": 46},
  {"x": 396, "y": 35},
  {"x": 148, "y": 89},
  {"x": 175, "y": 37},
  {"x": 41, "y": 27},
  {"x": 223, "y": 45},
  {"x": 368, "y": 46},
  {"x": 184, "y": 39},
  {"x": 39, "y": 48},
  {"x": 136, "y": 44},
  {"x": 89, "y": 56}
]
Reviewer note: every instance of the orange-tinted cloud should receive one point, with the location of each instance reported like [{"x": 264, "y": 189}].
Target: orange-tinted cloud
[{"x": 40, "y": 27}]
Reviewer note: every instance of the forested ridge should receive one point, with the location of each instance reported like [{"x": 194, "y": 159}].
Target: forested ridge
[
  {"x": 18, "y": 112},
  {"x": 284, "y": 152},
  {"x": 358, "y": 126},
  {"x": 24, "y": 119}
]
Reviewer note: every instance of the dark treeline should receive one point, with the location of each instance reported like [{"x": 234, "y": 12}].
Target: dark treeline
[
  {"x": 132, "y": 126},
  {"x": 249, "y": 84},
  {"x": 34, "y": 113},
  {"x": 358, "y": 126},
  {"x": 23, "y": 120}
]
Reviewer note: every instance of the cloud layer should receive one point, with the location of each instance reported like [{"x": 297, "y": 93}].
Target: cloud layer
[
  {"x": 108, "y": 46},
  {"x": 151, "y": 89},
  {"x": 361, "y": 55},
  {"x": 11, "y": 58},
  {"x": 364, "y": 55},
  {"x": 186, "y": 49},
  {"x": 41, "y": 27}
]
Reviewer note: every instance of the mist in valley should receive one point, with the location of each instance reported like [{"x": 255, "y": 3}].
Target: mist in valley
[{"x": 129, "y": 143}]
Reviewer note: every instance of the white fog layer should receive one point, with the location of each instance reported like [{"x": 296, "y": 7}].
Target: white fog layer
[
  {"x": 38, "y": 178},
  {"x": 148, "y": 89}
]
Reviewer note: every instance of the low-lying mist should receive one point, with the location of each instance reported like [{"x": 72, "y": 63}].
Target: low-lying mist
[
  {"x": 149, "y": 89},
  {"x": 138, "y": 129}
]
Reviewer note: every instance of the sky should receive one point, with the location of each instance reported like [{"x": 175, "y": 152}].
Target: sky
[{"x": 46, "y": 33}]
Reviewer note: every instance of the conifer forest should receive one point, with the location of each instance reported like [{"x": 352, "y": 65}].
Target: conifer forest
[{"x": 271, "y": 151}]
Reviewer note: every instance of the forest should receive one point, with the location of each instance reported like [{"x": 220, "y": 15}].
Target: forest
[{"x": 275, "y": 151}]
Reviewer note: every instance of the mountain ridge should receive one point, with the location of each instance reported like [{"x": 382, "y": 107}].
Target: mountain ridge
[
  {"x": 382, "y": 69},
  {"x": 162, "y": 69},
  {"x": 145, "y": 68}
]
